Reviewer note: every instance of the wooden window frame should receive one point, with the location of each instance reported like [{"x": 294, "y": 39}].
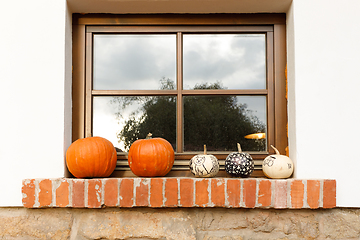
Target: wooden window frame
[{"x": 273, "y": 25}]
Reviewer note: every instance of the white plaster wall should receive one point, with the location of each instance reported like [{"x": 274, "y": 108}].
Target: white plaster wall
[
  {"x": 324, "y": 73},
  {"x": 323, "y": 68},
  {"x": 32, "y": 85}
]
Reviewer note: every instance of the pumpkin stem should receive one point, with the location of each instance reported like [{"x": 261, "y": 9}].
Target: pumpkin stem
[
  {"x": 205, "y": 149},
  {"x": 276, "y": 151},
  {"x": 149, "y": 136},
  {"x": 239, "y": 148}
]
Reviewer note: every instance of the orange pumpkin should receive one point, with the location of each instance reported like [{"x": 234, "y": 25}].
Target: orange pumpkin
[
  {"x": 91, "y": 157},
  {"x": 151, "y": 157}
]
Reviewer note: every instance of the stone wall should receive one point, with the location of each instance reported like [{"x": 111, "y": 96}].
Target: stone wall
[{"x": 178, "y": 223}]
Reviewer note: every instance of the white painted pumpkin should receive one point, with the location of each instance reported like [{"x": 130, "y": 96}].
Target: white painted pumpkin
[
  {"x": 277, "y": 166},
  {"x": 204, "y": 165}
]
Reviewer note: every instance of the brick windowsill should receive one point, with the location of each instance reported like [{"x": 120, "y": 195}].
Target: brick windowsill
[{"x": 179, "y": 192}]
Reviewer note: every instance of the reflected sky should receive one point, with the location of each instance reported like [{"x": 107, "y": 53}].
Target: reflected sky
[
  {"x": 139, "y": 61},
  {"x": 237, "y": 61},
  {"x": 133, "y": 62},
  {"x": 143, "y": 62},
  {"x": 110, "y": 115}
]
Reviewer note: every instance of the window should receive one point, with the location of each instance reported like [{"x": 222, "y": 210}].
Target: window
[{"x": 212, "y": 79}]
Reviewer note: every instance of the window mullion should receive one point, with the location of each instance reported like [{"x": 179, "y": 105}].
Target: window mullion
[
  {"x": 280, "y": 100},
  {"x": 225, "y": 92},
  {"x": 88, "y": 85},
  {"x": 180, "y": 117},
  {"x": 134, "y": 92},
  {"x": 270, "y": 86}
]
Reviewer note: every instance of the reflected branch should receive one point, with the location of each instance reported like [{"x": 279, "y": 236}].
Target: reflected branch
[{"x": 217, "y": 121}]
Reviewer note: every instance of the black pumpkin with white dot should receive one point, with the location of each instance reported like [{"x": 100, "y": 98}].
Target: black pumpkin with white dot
[{"x": 239, "y": 164}]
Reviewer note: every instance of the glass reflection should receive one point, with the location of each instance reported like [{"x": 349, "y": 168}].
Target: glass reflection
[
  {"x": 133, "y": 62},
  {"x": 123, "y": 120},
  {"x": 235, "y": 61},
  {"x": 222, "y": 121}
]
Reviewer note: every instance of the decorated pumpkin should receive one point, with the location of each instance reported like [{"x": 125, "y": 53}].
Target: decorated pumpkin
[
  {"x": 277, "y": 165},
  {"x": 204, "y": 165},
  {"x": 239, "y": 164},
  {"x": 151, "y": 157},
  {"x": 91, "y": 157}
]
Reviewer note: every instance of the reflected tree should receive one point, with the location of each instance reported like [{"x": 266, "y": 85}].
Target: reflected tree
[
  {"x": 217, "y": 121},
  {"x": 157, "y": 116}
]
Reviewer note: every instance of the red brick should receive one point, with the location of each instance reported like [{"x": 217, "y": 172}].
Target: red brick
[
  {"x": 249, "y": 193},
  {"x": 171, "y": 192},
  {"x": 297, "y": 194},
  {"x": 233, "y": 192},
  {"x": 45, "y": 193},
  {"x": 126, "y": 192},
  {"x": 111, "y": 192},
  {"x": 28, "y": 191},
  {"x": 142, "y": 192},
  {"x": 329, "y": 194},
  {"x": 218, "y": 192},
  {"x": 78, "y": 193},
  {"x": 202, "y": 192},
  {"x": 94, "y": 193},
  {"x": 186, "y": 192},
  {"x": 264, "y": 195},
  {"x": 280, "y": 195},
  {"x": 165, "y": 192},
  {"x": 156, "y": 192},
  {"x": 313, "y": 193},
  {"x": 62, "y": 194}
]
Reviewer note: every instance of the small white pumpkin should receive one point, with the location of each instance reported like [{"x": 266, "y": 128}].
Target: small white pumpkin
[
  {"x": 277, "y": 165},
  {"x": 204, "y": 165}
]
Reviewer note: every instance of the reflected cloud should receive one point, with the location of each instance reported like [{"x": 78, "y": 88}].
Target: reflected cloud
[
  {"x": 132, "y": 62},
  {"x": 237, "y": 61},
  {"x": 148, "y": 62}
]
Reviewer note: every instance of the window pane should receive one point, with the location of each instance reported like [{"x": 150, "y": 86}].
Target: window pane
[
  {"x": 221, "y": 122},
  {"x": 122, "y": 120},
  {"x": 133, "y": 62},
  {"x": 234, "y": 61}
]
